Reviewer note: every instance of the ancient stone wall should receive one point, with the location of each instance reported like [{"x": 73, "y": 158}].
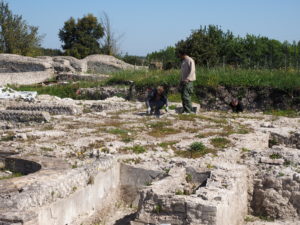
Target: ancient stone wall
[
  {"x": 24, "y": 116},
  {"x": 50, "y": 108},
  {"x": 16, "y": 69},
  {"x": 253, "y": 98},
  {"x": 25, "y": 78}
]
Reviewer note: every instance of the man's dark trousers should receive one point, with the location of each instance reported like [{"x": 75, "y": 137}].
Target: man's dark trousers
[{"x": 186, "y": 90}]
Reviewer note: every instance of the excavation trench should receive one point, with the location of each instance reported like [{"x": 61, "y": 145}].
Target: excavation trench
[{"x": 53, "y": 194}]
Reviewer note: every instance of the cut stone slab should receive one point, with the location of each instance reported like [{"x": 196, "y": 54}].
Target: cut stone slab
[
  {"x": 272, "y": 161},
  {"x": 24, "y": 116},
  {"x": 50, "y": 108}
]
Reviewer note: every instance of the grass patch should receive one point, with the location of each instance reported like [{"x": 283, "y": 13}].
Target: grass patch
[
  {"x": 46, "y": 149},
  {"x": 220, "y": 142},
  {"x": 266, "y": 218},
  {"x": 195, "y": 150},
  {"x": 134, "y": 161},
  {"x": 13, "y": 175},
  {"x": 9, "y": 137},
  {"x": 174, "y": 98},
  {"x": 166, "y": 145},
  {"x": 137, "y": 149},
  {"x": 275, "y": 156},
  {"x": 161, "y": 129},
  {"x": 285, "y": 113},
  {"x": 61, "y": 90},
  {"x": 187, "y": 117},
  {"x": 117, "y": 131}
]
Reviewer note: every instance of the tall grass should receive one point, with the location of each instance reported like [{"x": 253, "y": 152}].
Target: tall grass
[
  {"x": 285, "y": 80},
  {"x": 62, "y": 90},
  {"x": 213, "y": 77}
]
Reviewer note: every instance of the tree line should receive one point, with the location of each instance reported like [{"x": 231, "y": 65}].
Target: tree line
[{"x": 210, "y": 46}]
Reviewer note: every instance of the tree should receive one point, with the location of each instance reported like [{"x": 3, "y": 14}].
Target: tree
[
  {"x": 16, "y": 36},
  {"x": 167, "y": 56},
  {"x": 81, "y": 38},
  {"x": 133, "y": 59},
  {"x": 110, "y": 42}
]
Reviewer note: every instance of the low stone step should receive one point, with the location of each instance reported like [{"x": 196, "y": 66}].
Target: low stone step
[{"x": 24, "y": 116}]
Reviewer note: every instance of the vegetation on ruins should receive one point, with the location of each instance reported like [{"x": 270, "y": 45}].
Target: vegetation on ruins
[{"x": 220, "y": 142}]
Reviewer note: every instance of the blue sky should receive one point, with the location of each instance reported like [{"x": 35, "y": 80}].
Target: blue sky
[{"x": 150, "y": 25}]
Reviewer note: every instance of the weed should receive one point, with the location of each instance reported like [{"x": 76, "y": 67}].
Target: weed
[
  {"x": 273, "y": 142},
  {"x": 137, "y": 149},
  {"x": 8, "y": 137},
  {"x": 46, "y": 149},
  {"x": 200, "y": 136},
  {"x": 86, "y": 110},
  {"x": 134, "y": 161},
  {"x": 161, "y": 128},
  {"x": 167, "y": 170},
  {"x": 275, "y": 156},
  {"x": 249, "y": 219},
  {"x": 188, "y": 177},
  {"x": 172, "y": 107},
  {"x": 148, "y": 183},
  {"x": 157, "y": 209},
  {"x": 13, "y": 175},
  {"x": 117, "y": 131},
  {"x": 287, "y": 163},
  {"x": 245, "y": 150},
  {"x": 266, "y": 218},
  {"x": 127, "y": 139},
  {"x": 48, "y": 127},
  {"x": 285, "y": 113},
  {"x": 209, "y": 166},
  {"x": 174, "y": 97},
  {"x": 179, "y": 192},
  {"x": 197, "y": 147},
  {"x": 75, "y": 165},
  {"x": 281, "y": 174},
  {"x": 187, "y": 117},
  {"x": 220, "y": 142},
  {"x": 165, "y": 145}
]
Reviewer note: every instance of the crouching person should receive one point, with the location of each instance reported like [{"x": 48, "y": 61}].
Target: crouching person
[
  {"x": 156, "y": 100},
  {"x": 236, "y": 106}
]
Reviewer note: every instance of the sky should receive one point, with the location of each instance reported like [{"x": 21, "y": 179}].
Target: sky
[{"x": 151, "y": 25}]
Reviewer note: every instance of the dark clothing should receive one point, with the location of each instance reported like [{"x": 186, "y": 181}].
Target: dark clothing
[
  {"x": 186, "y": 90},
  {"x": 237, "y": 108},
  {"x": 155, "y": 101}
]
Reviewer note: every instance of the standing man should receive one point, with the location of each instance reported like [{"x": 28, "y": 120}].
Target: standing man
[{"x": 188, "y": 75}]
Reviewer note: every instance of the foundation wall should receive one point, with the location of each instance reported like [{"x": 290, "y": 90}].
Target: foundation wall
[{"x": 95, "y": 197}]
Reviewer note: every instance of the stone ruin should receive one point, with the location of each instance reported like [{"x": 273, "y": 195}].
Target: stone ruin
[
  {"x": 257, "y": 176},
  {"x": 16, "y": 69}
]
